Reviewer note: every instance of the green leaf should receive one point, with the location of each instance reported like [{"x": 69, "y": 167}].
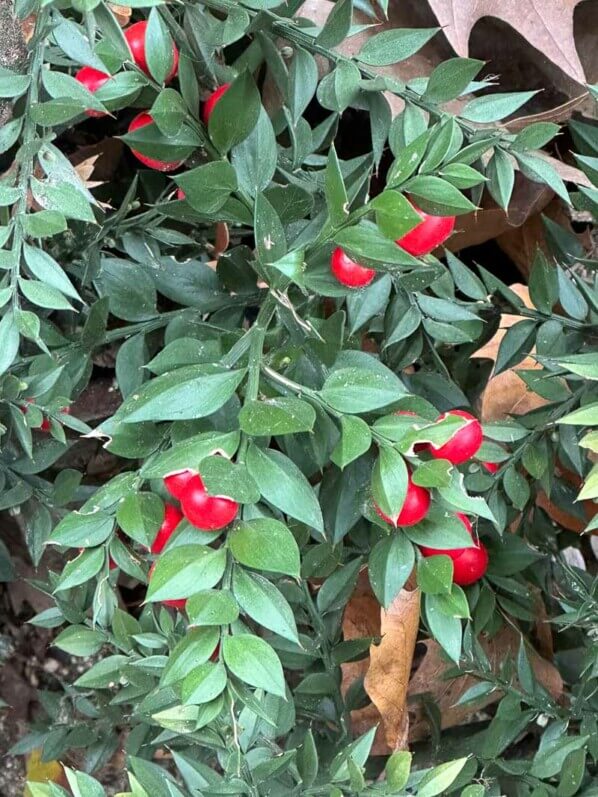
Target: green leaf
[
  {"x": 83, "y": 530},
  {"x": 9, "y": 341},
  {"x": 535, "y": 136},
  {"x": 435, "y": 574},
  {"x": 283, "y": 485},
  {"x": 78, "y": 640},
  {"x": 43, "y": 295},
  {"x": 393, "y": 46},
  {"x": 83, "y": 785},
  {"x": 276, "y": 416},
  {"x": 354, "y": 441},
  {"x": 103, "y": 674},
  {"x": 337, "y": 589},
  {"x": 235, "y": 114},
  {"x": 303, "y": 80},
  {"x": 194, "y": 648},
  {"x": 355, "y": 390},
  {"x": 182, "y": 571},
  {"x": 265, "y": 544},
  {"x": 549, "y": 760},
  {"x": 71, "y": 41},
  {"x": 390, "y": 564},
  {"x": 543, "y": 284},
  {"x": 253, "y": 661},
  {"x": 397, "y": 769},
  {"x": 190, "y": 452},
  {"x": 265, "y": 604},
  {"x": 450, "y": 79},
  {"x": 131, "y": 290},
  {"x": 501, "y": 178},
  {"x": 438, "y": 780},
  {"x": 367, "y": 245},
  {"x": 44, "y": 223},
  {"x": 395, "y": 215},
  {"x": 169, "y": 112},
  {"x": 254, "y": 159},
  {"x": 494, "y": 107},
  {"x": 270, "y": 239},
  {"x": 337, "y": 25},
  {"x": 541, "y": 171},
  {"x": 47, "y": 270},
  {"x": 516, "y": 344},
  {"x": 186, "y": 393},
  {"x": 140, "y": 515},
  {"x": 223, "y": 477},
  {"x": 389, "y": 481},
  {"x": 81, "y": 569},
  {"x": 204, "y": 683},
  {"x": 334, "y": 189},
  {"x": 371, "y": 301},
  {"x": 208, "y": 187},
  {"x": 159, "y": 52},
  {"x": 437, "y": 196},
  {"x": 212, "y": 607}
]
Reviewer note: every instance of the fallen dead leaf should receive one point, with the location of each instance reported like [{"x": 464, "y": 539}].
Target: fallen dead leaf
[
  {"x": 39, "y": 771},
  {"x": 547, "y": 26},
  {"x": 122, "y": 14},
  {"x": 387, "y": 678}
]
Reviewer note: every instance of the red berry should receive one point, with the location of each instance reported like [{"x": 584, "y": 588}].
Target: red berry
[
  {"x": 429, "y": 233},
  {"x": 414, "y": 509},
  {"x": 174, "y": 603},
  {"x": 92, "y": 79},
  {"x": 348, "y": 272},
  {"x": 172, "y": 518},
  {"x": 464, "y": 444},
  {"x": 141, "y": 120},
  {"x": 469, "y": 564},
  {"x": 45, "y": 425},
  {"x": 212, "y": 100},
  {"x": 215, "y": 652},
  {"x": 180, "y": 195},
  {"x": 177, "y": 481},
  {"x": 491, "y": 467},
  {"x": 135, "y": 36},
  {"x": 206, "y": 512}
]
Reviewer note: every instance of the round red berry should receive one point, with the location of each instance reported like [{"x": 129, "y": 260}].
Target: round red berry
[
  {"x": 141, "y": 120},
  {"x": 135, "y": 36},
  {"x": 177, "y": 481},
  {"x": 212, "y": 101},
  {"x": 172, "y": 518},
  {"x": 92, "y": 79},
  {"x": 174, "y": 603},
  {"x": 180, "y": 195},
  {"x": 469, "y": 564},
  {"x": 464, "y": 444},
  {"x": 491, "y": 467},
  {"x": 348, "y": 272},
  {"x": 414, "y": 509},
  {"x": 429, "y": 233},
  {"x": 206, "y": 512}
]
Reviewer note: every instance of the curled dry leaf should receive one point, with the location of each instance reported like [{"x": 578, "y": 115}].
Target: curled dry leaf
[
  {"x": 39, "y": 771},
  {"x": 547, "y": 26},
  {"x": 221, "y": 239},
  {"x": 122, "y": 14}
]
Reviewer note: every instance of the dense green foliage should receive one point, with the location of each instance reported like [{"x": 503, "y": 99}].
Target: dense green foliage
[{"x": 254, "y": 373}]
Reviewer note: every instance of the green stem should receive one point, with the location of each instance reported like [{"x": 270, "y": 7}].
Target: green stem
[
  {"x": 344, "y": 715},
  {"x": 26, "y": 168},
  {"x": 256, "y": 351}
]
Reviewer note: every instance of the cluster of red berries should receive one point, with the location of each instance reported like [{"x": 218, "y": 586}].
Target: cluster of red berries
[
  {"x": 93, "y": 79},
  {"x": 469, "y": 564},
  {"x": 421, "y": 240},
  {"x": 205, "y": 512}
]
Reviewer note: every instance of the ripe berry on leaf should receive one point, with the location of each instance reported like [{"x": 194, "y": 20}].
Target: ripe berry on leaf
[
  {"x": 348, "y": 272},
  {"x": 135, "y": 36},
  {"x": 172, "y": 518},
  {"x": 212, "y": 100},
  {"x": 414, "y": 509},
  {"x": 469, "y": 564},
  {"x": 174, "y": 603},
  {"x": 177, "y": 481},
  {"x": 180, "y": 195},
  {"x": 429, "y": 233},
  {"x": 141, "y": 120},
  {"x": 206, "y": 512},
  {"x": 92, "y": 79},
  {"x": 464, "y": 444}
]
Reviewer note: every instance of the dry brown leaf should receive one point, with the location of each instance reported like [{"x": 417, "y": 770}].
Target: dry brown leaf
[
  {"x": 387, "y": 678},
  {"x": 221, "y": 239},
  {"x": 430, "y": 679},
  {"x": 122, "y": 14},
  {"x": 39, "y": 771},
  {"x": 547, "y": 26}
]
